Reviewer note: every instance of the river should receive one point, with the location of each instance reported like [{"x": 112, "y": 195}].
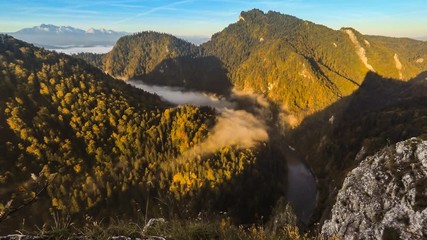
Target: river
[
  {"x": 301, "y": 190},
  {"x": 302, "y": 186}
]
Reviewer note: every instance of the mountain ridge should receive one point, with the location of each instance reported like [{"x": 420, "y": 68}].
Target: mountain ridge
[
  {"x": 316, "y": 50},
  {"x": 51, "y": 36},
  {"x": 282, "y": 57},
  {"x": 65, "y": 29}
]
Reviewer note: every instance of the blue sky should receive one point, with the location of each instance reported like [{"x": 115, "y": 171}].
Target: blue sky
[{"x": 205, "y": 17}]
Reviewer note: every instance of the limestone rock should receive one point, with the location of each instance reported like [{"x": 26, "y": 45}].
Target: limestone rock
[{"x": 385, "y": 197}]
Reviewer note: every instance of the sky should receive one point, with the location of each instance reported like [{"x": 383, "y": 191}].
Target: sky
[{"x": 404, "y": 18}]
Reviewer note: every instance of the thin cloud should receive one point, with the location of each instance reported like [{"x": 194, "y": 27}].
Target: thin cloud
[
  {"x": 121, "y": 4},
  {"x": 202, "y": 14},
  {"x": 86, "y": 8},
  {"x": 56, "y": 10},
  {"x": 153, "y": 10},
  {"x": 270, "y": 5},
  {"x": 128, "y": 6}
]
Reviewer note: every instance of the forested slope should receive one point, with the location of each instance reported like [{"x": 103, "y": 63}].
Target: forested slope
[
  {"x": 108, "y": 147},
  {"x": 299, "y": 65},
  {"x": 303, "y": 66},
  {"x": 139, "y": 54}
]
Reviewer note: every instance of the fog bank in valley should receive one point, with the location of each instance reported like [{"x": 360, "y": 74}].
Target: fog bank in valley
[
  {"x": 242, "y": 121},
  {"x": 76, "y": 49},
  {"x": 181, "y": 97},
  {"x": 234, "y": 126}
]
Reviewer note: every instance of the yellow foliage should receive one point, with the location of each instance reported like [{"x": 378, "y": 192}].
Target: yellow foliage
[{"x": 77, "y": 168}]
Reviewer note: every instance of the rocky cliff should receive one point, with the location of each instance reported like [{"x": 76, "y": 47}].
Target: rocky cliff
[{"x": 385, "y": 197}]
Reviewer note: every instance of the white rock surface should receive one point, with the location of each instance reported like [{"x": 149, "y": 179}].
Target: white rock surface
[
  {"x": 361, "y": 52},
  {"x": 385, "y": 197}
]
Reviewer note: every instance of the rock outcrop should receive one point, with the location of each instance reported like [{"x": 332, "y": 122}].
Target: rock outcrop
[{"x": 385, "y": 197}]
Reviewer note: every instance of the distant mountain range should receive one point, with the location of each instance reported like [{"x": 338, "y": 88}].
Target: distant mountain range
[
  {"x": 52, "y": 36},
  {"x": 59, "y": 37}
]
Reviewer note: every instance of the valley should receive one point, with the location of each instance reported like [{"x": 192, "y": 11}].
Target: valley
[
  {"x": 263, "y": 129},
  {"x": 301, "y": 184}
]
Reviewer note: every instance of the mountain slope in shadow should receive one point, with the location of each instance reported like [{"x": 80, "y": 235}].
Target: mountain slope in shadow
[
  {"x": 381, "y": 112},
  {"x": 192, "y": 73}
]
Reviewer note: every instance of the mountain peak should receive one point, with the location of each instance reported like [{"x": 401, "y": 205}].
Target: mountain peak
[
  {"x": 48, "y": 35},
  {"x": 91, "y": 30},
  {"x": 45, "y": 27},
  {"x": 254, "y": 11},
  {"x": 251, "y": 14},
  {"x": 259, "y": 14},
  {"x": 50, "y": 28},
  {"x": 101, "y": 31}
]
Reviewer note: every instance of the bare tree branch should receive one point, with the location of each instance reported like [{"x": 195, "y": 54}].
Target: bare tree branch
[{"x": 9, "y": 209}]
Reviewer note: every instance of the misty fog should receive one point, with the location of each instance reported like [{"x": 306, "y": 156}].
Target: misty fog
[
  {"x": 181, "y": 97},
  {"x": 74, "y": 50},
  {"x": 236, "y": 126}
]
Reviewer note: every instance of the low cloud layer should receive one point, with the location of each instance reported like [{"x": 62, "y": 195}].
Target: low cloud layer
[
  {"x": 180, "y": 97},
  {"x": 75, "y": 50},
  {"x": 234, "y": 127}
]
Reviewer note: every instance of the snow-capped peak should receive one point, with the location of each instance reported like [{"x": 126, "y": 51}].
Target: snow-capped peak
[
  {"x": 46, "y": 27},
  {"x": 66, "y": 30},
  {"x": 91, "y": 30},
  {"x": 50, "y": 28},
  {"x": 101, "y": 30}
]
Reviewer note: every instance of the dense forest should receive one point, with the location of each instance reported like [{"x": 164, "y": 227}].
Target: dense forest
[
  {"x": 140, "y": 53},
  {"x": 303, "y": 66},
  {"x": 108, "y": 148}
]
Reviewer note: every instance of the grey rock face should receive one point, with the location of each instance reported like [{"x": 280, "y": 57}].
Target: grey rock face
[{"x": 385, "y": 197}]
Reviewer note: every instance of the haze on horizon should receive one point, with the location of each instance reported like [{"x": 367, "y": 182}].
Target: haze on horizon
[{"x": 203, "y": 18}]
